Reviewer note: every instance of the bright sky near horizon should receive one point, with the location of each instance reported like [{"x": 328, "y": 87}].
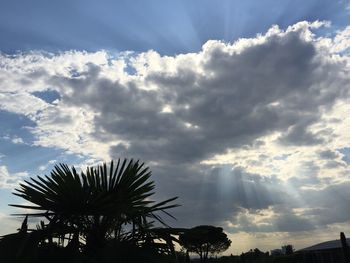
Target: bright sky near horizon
[{"x": 240, "y": 108}]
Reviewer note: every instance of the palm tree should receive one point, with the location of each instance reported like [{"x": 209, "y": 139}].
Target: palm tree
[{"x": 107, "y": 202}]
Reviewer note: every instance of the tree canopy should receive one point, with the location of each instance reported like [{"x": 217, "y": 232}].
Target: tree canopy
[{"x": 205, "y": 240}]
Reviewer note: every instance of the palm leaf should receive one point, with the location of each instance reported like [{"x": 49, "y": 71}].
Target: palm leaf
[{"x": 105, "y": 196}]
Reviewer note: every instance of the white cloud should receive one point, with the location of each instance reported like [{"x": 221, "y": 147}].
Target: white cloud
[
  {"x": 341, "y": 42},
  {"x": 10, "y": 180},
  {"x": 17, "y": 140},
  {"x": 21, "y": 103}
]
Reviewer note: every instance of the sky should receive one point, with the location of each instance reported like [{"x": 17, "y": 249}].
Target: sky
[{"x": 240, "y": 108}]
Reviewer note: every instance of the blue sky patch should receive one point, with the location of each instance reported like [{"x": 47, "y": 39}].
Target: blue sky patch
[
  {"x": 49, "y": 95},
  {"x": 169, "y": 27},
  {"x": 346, "y": 152}
]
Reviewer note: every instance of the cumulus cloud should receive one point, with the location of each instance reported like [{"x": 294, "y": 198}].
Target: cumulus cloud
[
  {"x": 235, "y": 129},
  {"x": 10, "y": 180}
]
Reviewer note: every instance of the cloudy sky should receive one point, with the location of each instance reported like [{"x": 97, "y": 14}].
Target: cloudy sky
[{"x": 240, "y": 108}]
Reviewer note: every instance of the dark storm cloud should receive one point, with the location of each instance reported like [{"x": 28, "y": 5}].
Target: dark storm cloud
[
  {"x": 332, "y": 203},
  {"x": 278, "y": 85},
  {"x": 331, "y": 159},
  {"x": 230, "y": 99},
  {"x": 290, "y": 222},
  {"x": 328, "y": 154},
  {"x": 212, "y": 195},
  {"x": 236, "y": 105},
  {"x": 299, "y": 135},
  {"x": 285, "y": 221}
]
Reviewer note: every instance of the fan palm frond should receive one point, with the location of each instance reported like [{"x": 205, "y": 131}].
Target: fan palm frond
[{"x": 102, "y": 197}]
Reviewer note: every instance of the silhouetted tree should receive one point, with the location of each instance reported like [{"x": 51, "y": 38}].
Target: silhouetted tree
[
  {"x": 106, "y": 203},
  {"x": 205, "y": 240},
  {"x": 254, "y": 256},
  {"x": 345, "y": 247},
  {"x": 289, "y": 249}
]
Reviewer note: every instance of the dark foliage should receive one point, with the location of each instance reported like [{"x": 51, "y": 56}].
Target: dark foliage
[
  {"x": 102, "y": 215},
  {"x": 205, "y": 240}
]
